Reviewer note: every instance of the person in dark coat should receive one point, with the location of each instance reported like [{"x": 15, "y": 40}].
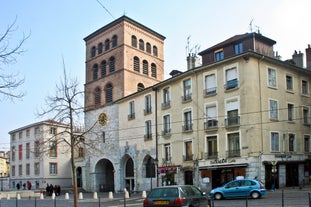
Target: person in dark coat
[{"x": 18, "y": 186}]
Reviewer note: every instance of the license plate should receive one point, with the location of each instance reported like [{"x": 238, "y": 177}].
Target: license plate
[{"x": 161, "y": 202}]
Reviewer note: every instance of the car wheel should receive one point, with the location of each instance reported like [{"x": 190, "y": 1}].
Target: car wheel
[
  {"x": 255, "y": 194},
  {"x": 218, "y": 196}
]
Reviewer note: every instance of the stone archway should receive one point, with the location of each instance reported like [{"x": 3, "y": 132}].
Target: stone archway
[
  {"x": 128, "y": 173},
  {"x": 79, "y": 176},
  {"x": 104, "y": 176}
]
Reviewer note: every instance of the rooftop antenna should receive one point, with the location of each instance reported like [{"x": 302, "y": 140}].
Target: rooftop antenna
[
  {"x": 188, "y": 45},
  {"x": 105, "y": 9},
  {"x": 251, "y": 25}
]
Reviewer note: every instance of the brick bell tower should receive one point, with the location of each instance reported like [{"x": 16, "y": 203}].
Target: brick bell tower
[{"x": 122, "y": 58}]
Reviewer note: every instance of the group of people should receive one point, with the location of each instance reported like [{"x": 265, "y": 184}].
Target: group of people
[
  {"x": 50, "y": 189},
  {"x": 28, "y": 185}
]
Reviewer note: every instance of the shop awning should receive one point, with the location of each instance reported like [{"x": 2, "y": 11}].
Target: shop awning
[{"x": 213, "y": 167}]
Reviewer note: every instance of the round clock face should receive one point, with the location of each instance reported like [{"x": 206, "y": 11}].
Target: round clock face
[{"x": 102, "y": 119}]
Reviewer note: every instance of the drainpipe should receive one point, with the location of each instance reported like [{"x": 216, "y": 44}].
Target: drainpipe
[
  {"x": 155, "y": 89},
  {"x": 261, "y": 119}
]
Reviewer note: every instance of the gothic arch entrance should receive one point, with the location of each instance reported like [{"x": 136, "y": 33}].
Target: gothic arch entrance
[
  {"x": 128, "y": 169},
  {"x": 104, "y": 176}
]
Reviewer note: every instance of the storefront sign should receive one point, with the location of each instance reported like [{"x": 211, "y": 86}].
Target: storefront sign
[{"x": 221, "y": 161}]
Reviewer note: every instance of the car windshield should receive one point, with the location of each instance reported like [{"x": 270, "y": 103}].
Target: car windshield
[{"x": 163, "y": 192}]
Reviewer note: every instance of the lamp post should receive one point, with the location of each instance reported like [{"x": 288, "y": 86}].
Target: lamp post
[{"x": 155, "y": 162}]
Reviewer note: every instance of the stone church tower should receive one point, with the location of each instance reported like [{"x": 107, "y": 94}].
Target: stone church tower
[{"x": 122, "y": 58}]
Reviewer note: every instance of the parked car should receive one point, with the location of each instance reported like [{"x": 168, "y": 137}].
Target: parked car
[
  {"x": 176, "y": 195},
  {"x": 239, "y": 188}
]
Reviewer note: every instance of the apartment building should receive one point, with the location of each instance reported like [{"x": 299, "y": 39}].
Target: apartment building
[
  {"x": 4, "y": 164},
  {"x": 40, "y": 155}
]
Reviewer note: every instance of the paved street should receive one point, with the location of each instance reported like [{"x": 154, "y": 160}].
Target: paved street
[{"x": 293, "y": 197}]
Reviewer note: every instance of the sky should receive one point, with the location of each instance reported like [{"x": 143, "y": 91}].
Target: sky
[{"x": 56, "y": 30}]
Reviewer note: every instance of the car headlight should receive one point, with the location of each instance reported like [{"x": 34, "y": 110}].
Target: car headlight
[{"x": 212, "y": 191}]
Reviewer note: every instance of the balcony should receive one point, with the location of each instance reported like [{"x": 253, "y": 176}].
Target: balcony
[
  {"x": 148, "y": 136},
  {"x": 234, "y": 153},
  {"x": 211, "y": 124},
  {"x": 187, "y": 128},
  {"x": 211, "y": 155},
  {"x": 232, "y": 121},
  {"x": 187, "y": 97},
  {"x": 166, "y": 105},
  {"x": 147, "y": 111},
  {"x": 188, "y": 157},
  {"x": 166, "y": 132},
  {"x": 210, "y": 91},
  {"x": 131, "y": 116},
  {"x": 232, "y": 84}
]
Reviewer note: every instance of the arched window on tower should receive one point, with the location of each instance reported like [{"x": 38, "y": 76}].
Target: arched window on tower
[
  {"x": 100, "y": 48},
  {"x": 155, "y": 51},
  {"x": 95, "y": 72},
  {"x": 108, "y": 92},
  {"x": 141, "y": 45},
  {"x": 153, "y": 70},
  {"x": 112, "y": 62},
  {"x": 114, "y": 40},
  {"x": 145, "y": 67},
  {"x": 148, "y": 48},
  {"x": 134, "y": 41},
  {"x": 93, "y": 51},
  {"x": 136, "y": 64},
  {"x": 103, "y": 68},
  {"x": 140, "y": 87},
  {"x": 107, "y": 44},
  {"x": 97, "y": 96}
]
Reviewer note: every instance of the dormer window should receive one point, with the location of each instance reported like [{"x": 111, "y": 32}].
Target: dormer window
[
  {"x": 219, "y": 55},
  {"x": 238, "y": 48}
]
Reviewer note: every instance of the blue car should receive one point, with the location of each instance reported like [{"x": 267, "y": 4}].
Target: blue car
[{"x": 239, "y": 188}]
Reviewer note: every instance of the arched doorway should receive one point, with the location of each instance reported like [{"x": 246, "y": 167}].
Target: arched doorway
[
  {"x": 79, "y": 177},
  {"x": 149, "y": 170},
  {"x": 129, "y": 173},
  {"x": 104, "y": 176}
]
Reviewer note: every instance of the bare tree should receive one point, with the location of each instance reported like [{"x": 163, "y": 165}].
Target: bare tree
[
  {"x": 66, "y": 108},
  {"x": 9, "y": 82}
]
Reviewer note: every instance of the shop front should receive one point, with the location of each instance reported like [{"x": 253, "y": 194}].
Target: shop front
[{"x": 167, "y": 174}]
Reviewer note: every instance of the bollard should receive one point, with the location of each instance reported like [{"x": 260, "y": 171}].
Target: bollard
[
  {"x": 95, "y": 196},
  {"x": 66, "y": 196},
  {"x": 53, "y": 196},
  {"x": 110, "y": 195},
  {"x": 41, "y": 196},
  {"x": 8, "y": 197},
  {"x": 144, "y": 194},
  {"x": 80, "y": 196},
  {"x": 127, "y": 195},
  {"x": 18, "y": 196}
]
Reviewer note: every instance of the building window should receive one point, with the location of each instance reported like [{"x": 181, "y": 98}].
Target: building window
[
  {"x": 13, "y": 153},
  {"x": 37, "y": 149},
  {"x": 166, "y": 98},
  {"x": 20, "y": 135},
  {"x": 145, "y": 67},
  {"x": 272, "y": 77},
  {"x": 97, "y": 96},
  {"x": 20, "y": 170},
  {"x": 291, "y": 142},
  {"x": 27, "y": 150},
  {"x": 307, "y": 143},
  {"x": 290, "y": 112},
  {"x": 188, "y": 150},
  {"x": 37, "y": 130},
  {"x": 112, "y": 62},
  {"x": 37, "y": 168},
  {"x": 103, "y": 68},
  {"x": 187, "y": 121},
  {"x": 233, "y": 145},
  {"x": 219, "y": 55},
  {"x": 238, "y": 48},
  {"x": 153, "y": 70},
  {"x": 93, "y": 51},
  {"x": 107, "y": 44},
  {"x": 134, "y": 41},
  {"x": 53, "y": 130},
  {"x": 304, "y": 87},
  {"x": 13, "y": 170},
  {"x": 27, "y": 169},
  {"x": 20, "y": 152},
  {"x": 114, "y": 40},
  {"x": 275, "y": 142},
  {"x": 167, "y": 153},
  {"x": 100, "y": 48},
  {"x": 108, "y": 93},
  {"x": 210, "y": 84},
  {"x": 289, "y": 83},
  {"x": 231, "y": 78},
  {"x": 148, "y": 48},
  {"x": 211, "y": 117},
  {"x": 53, "y": 168},
  {"x": 166, "y": 125},
  {"x": 95, "y": 72},
  {"x": 13, "y": 137},
  {"x": 148, "y": 133},
  {"x": 141, "y": 45},
  {"x": 27, "y": 133},
  {"x": 273, "y": 110},
  {"x": 104, "y": 137},
  {"x": 232, "y": 110},
  {"x": 131, "y": 114},
  {"x": 187, "y": 93},
  {"x": 140, "y": 87},
  {"x": 53, "y": 149},
  {"x": 81, "y": 152},
  {"x": 211, "y": 142},
  {"x": 136, "y": 63},
  {"x": 306, "y": 115},
  {"x": 155, "y": 51},
  {"x": 148, "y": 108}
]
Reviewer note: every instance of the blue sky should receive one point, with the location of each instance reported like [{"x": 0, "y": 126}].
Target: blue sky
[{"x": 57, "y": 29}]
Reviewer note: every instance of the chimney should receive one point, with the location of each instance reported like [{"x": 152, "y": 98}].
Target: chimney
[
  {"x": 193, "y": 61},
  {"x": 308, "y": 56},
  {"x": 298, "y": 58}
]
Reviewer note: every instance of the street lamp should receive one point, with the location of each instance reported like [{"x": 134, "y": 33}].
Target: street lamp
[{"x": 155, "y": 162}]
